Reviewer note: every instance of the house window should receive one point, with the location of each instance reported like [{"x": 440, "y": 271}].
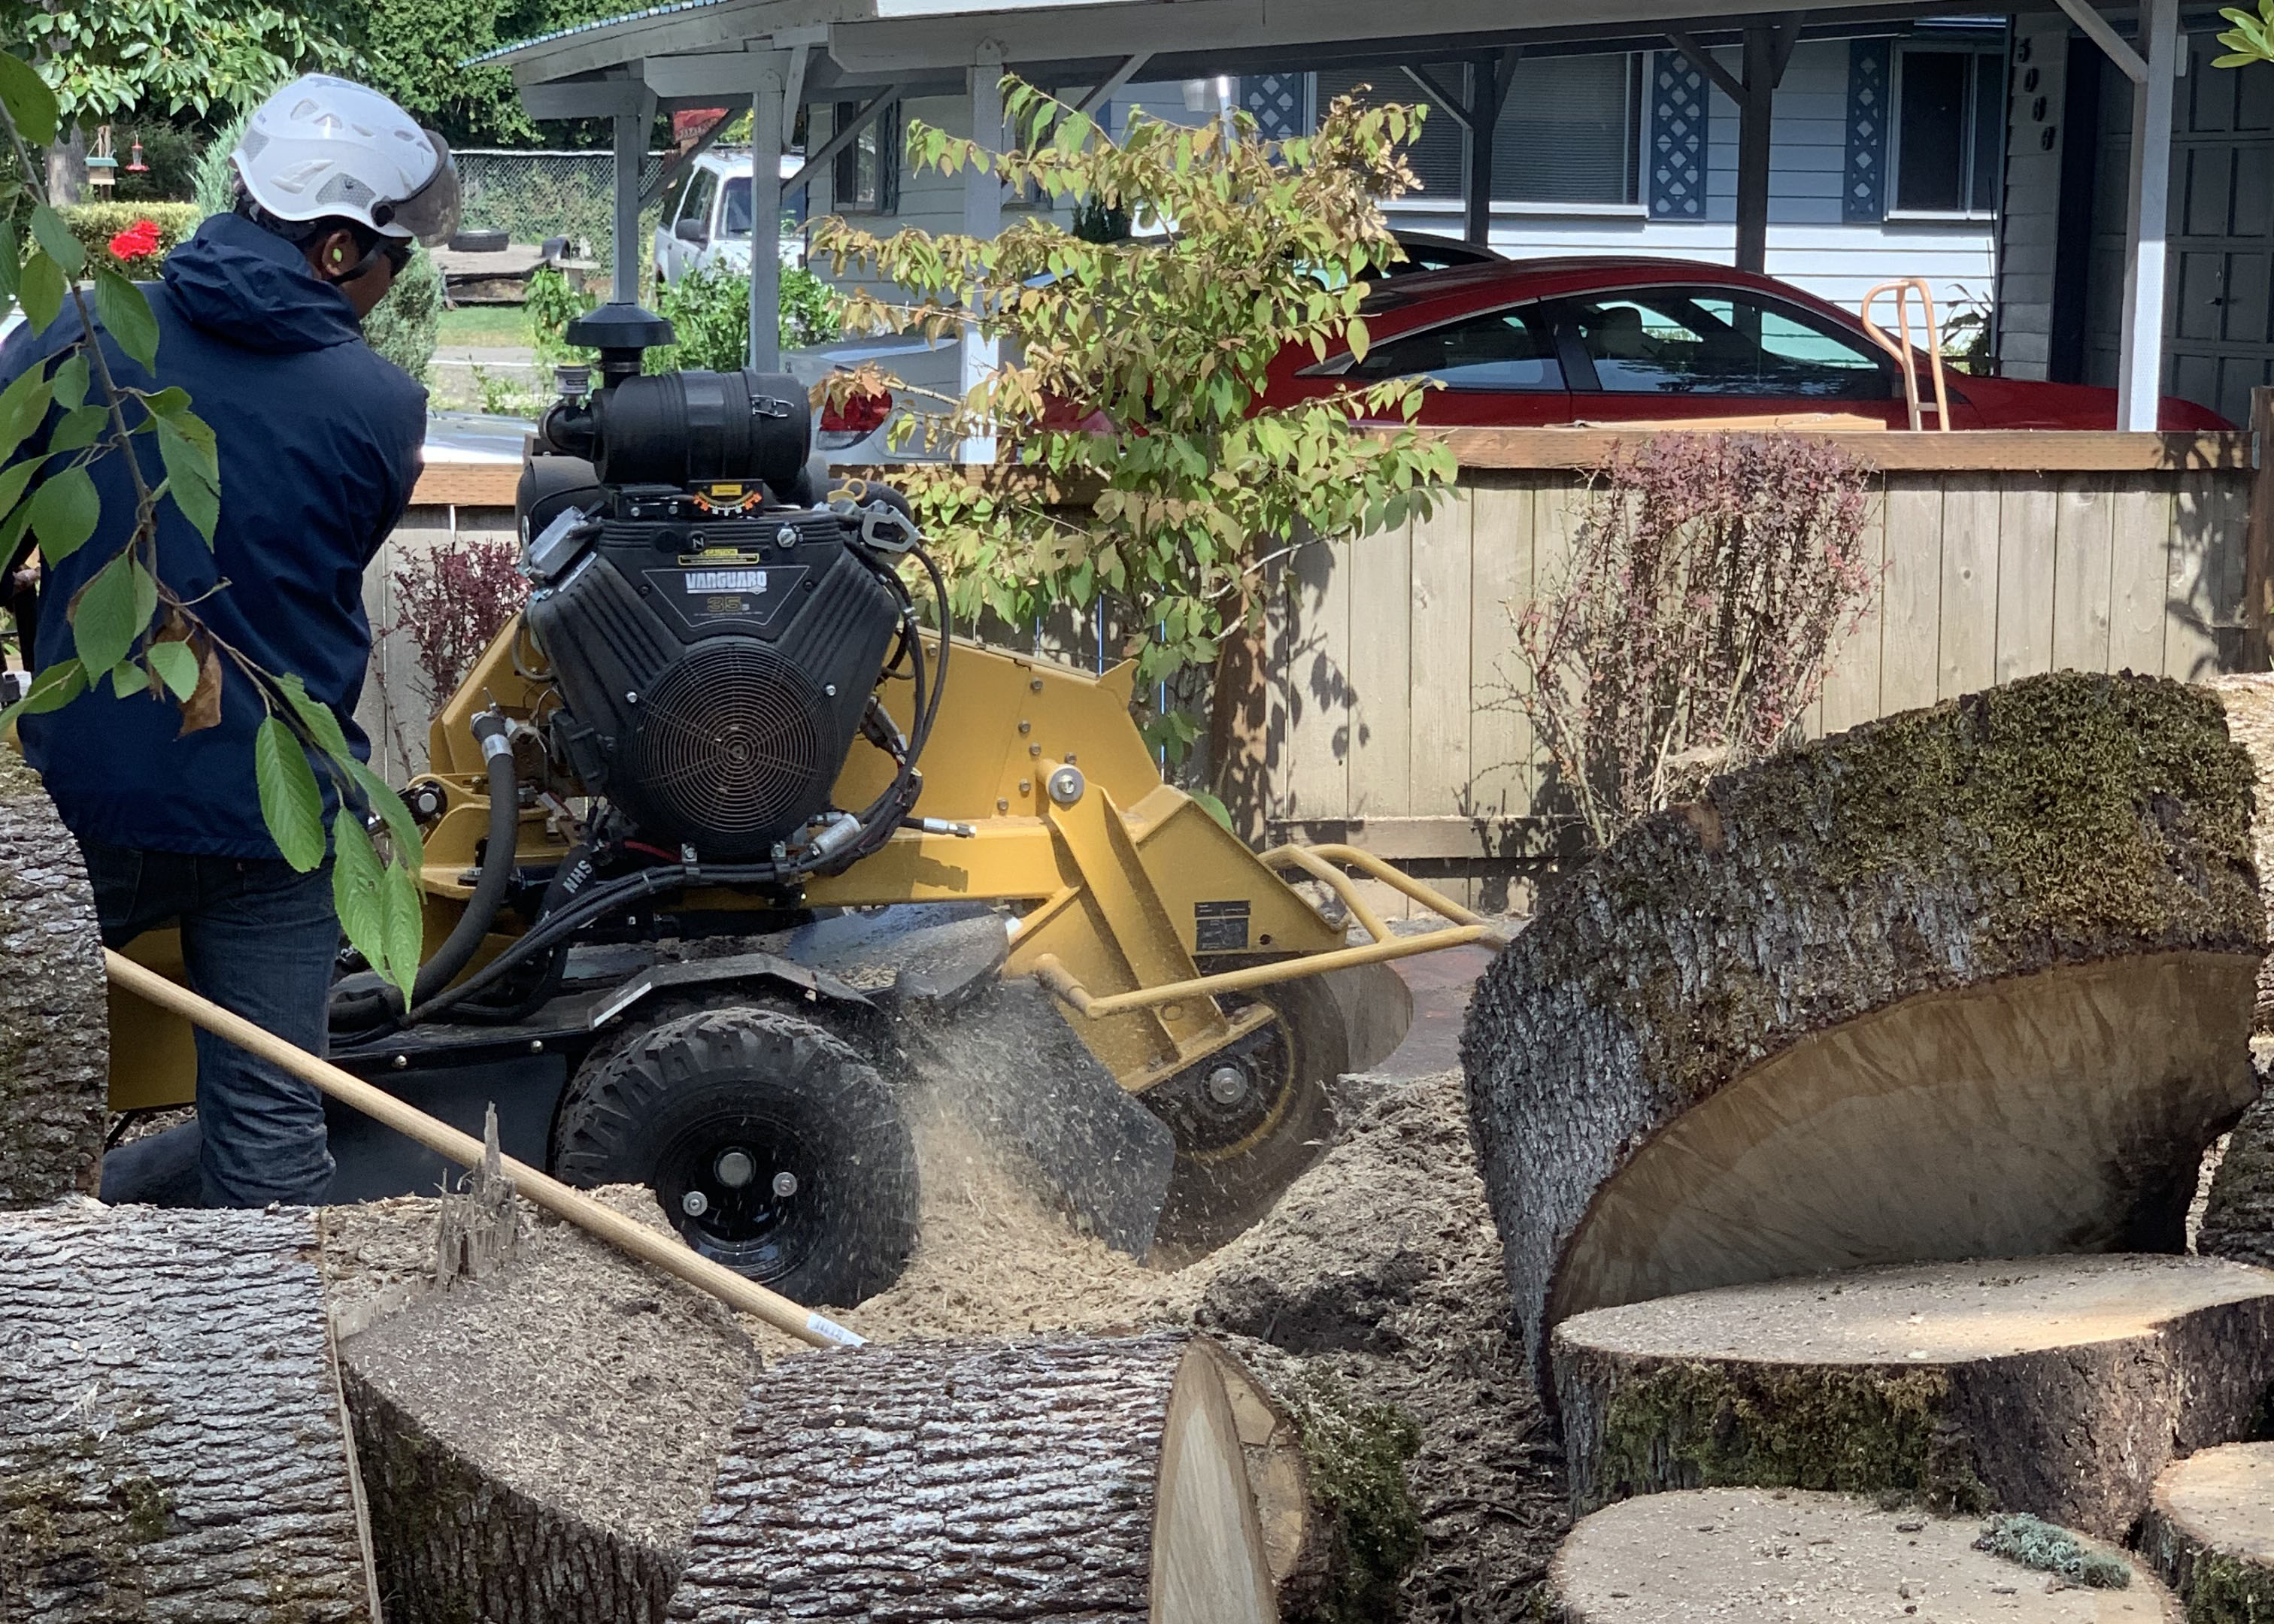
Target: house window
[
  {"x": 868, "y": 175},
  {"x": 1570, "y": 131},
  {"x": 1438, "y": 158},
  {"x": 1950, "y": 131}
]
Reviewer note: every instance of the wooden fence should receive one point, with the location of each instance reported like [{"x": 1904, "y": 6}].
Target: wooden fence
[{"x": 1393, "y": 721}]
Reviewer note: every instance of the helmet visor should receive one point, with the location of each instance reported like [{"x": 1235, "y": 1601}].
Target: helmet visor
[{"x": 431, "y": 213}]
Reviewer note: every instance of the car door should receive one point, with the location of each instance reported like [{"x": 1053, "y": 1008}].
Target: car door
[
  {"x": 695, "y": 215},
  {"x": 1499, "y": 368},
  {"x": 1651, "y": 354}
]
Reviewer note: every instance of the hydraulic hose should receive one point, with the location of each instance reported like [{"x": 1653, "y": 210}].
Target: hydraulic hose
[{"x": 457, "y": 949}]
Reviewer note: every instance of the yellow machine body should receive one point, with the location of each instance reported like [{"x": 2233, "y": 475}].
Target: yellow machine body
[{"x": 1116, "y": 887}]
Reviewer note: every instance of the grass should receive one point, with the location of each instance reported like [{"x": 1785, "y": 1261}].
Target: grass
[{"x": 486, "y": 327}]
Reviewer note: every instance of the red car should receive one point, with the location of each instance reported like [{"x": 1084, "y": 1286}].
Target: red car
[{"x": 1530, "y": 343}]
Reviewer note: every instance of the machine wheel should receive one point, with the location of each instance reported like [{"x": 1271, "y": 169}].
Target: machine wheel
[
  {"x": 1236, "y": 1155},
  {"x": 772, "y": 1144}
]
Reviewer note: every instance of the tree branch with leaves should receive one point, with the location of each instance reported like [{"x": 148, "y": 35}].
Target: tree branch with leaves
[{"x": 129, "y": 628}]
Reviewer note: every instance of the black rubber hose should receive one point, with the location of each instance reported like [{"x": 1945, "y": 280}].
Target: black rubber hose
[{"x": 496, "y": 875}]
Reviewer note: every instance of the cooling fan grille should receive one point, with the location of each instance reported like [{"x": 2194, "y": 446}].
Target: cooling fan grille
[{"x": 730, "y": 753}]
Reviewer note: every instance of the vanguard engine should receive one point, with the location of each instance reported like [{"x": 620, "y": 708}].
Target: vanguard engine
[{"x": 716, "y": 636}]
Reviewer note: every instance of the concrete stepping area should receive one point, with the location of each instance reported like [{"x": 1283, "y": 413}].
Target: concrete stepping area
[
  {"x": 2210, "y": 1533},
  {"x": 1750, "y": 1556}
]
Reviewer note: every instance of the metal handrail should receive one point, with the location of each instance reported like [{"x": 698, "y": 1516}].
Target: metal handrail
[{"x": 1905, "y": 357}]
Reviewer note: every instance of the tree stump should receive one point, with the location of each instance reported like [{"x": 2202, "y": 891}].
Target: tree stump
[
  {"x": 1798, "y": 1558},
  {"x": 2056, "y": 1386},
  {"x": 171, "y": 1441},
  {"x": 1091, "y": 1480},
  {"x": 1970, "y": 982},
  {"x": 2239, "y": 1219},
  {"x": 55, "y": 1023},
  {"x": 2210, "y": 1532},
  {"x": 2247, "y": 698}
]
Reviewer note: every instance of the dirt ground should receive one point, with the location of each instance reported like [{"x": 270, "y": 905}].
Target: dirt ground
[{"x": 1379, "y": 1270}]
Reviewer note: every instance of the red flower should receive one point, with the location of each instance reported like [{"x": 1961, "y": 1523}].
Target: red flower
[{"x": 137, "y": 241}]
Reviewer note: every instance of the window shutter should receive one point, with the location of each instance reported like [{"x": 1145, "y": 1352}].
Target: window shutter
[
  {"x": 1681, "y": 120},
  {"x": 1871, "y": 74}
]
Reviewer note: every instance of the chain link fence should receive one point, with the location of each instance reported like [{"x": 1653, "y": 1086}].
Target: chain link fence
[{"x": 534, "y": 195}]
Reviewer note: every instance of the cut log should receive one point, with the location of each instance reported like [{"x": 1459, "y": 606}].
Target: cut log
[
  {"x": 171, "y": 1440},
  {"x": 1798, "y": 1558},
  {"x": 2056, "y": 1386},
  {"x": 1092, "y": 1480},
  {"x": 1970, "y": 982},
  {"x": 2210, "y": 1532},
  {"x": 538, "y": 1443},
  {"x": 2239, "y": 1219},
  {"x": 55, "y": 1030}
]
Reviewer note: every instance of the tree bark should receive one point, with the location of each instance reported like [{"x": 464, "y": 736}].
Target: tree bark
[
  {"x": 2210, "y": 1533},
  {"x": 2056, "y": 1386},
  {"x": 55, "y": 1025},
  {"x": 1096, "y": 1481},
  {"x": 1800, "y": 1558},
  {"x": 1970, "y": 982},
  {"x": 2239, "y": 1221},
  {"x": 172, "y": 1445}
]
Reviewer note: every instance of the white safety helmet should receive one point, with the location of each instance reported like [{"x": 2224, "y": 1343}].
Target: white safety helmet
[{"x": 325, "y": 148}]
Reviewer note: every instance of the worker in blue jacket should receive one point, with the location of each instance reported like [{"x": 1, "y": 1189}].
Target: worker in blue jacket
[{"x": 260, "y": 318}]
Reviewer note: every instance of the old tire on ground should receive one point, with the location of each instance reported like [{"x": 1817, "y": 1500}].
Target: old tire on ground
[
  {"x": 1970, "y": 982},
  {"x": 772, "y": 1144},
  {"x": 2210, "y": 1533},
  {"x": 1814, "y": 1559},
  {"x": 1234, "y": 1161},
  {"x": 2055, "y": 1385}
]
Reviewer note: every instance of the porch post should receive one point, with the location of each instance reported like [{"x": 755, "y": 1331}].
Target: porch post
[
  {"x": 1489, "y": 78},
  {"x": 765, "y": 221},
  {"x": 2140, "y": 390},
  {"x": 983, "y": 217}
]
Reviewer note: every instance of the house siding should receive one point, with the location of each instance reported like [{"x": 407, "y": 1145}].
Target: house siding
[{"x": 2037, "y": 139}]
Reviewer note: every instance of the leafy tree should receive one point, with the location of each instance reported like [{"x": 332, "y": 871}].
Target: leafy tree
[
  {"x": 414, "y": 50},
  {"x": 103, "y": 57},
  {"x": 128, "y": 627},
  {"x": 1158, "y": 344}
]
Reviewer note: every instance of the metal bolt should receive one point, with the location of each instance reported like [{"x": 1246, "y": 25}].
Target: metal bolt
[
  {"x": 1034, "y": 749},
  {"x": 1002, "y": 805},
  {"x": 1026, "y": 727},
  {"x": 1067, "y": 785},
  {"x": 830, "y": 689},
  {"x": 1227, "y": 1085},
  {"x": 1069, "y": 758},
  {"x": 631, "y": 699},
  {"x": 734, "y": 1168},
  {"x": 1036, "y": 685},
  {"x": 784, "y": 1185},
  {"x": 786, "y": 536},
  {"x": 1025, "y": 786},
  {"x": 401, "y": 1062},
  {"x": 537, "y": 1046},
  {"x": 695, "y": 1204}
]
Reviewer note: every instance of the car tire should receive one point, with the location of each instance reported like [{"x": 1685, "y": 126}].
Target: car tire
[
  {"x": 480, "y": 240},
  {"x": 772, "y": 1145}
]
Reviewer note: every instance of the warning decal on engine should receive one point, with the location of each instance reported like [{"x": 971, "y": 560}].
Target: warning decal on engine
[
  {"x": 1220, "y": 926},
  {"x": 704, "y": 596}
]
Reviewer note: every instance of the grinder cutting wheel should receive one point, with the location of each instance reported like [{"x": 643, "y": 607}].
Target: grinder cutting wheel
[{"x": 725, "y": 849}]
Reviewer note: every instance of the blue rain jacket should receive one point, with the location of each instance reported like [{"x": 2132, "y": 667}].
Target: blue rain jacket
[{"x": 320, "y": 445}]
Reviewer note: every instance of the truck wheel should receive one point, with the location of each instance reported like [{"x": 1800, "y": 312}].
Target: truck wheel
[{"x": 772, "y": 1147}]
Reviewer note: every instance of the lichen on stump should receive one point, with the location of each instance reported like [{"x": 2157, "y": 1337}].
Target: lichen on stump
[
  {"x": 1096, "y": 1480},
  {"x": 2055, "y": 1385},
  {"x": 1801, "y": 1558},
  {"x": 2210, "y": 1532},
  {"x": 55, "y": 1032},
  {"x": 171, "y": 1443},
  {"x": 1968, "y": 982}
]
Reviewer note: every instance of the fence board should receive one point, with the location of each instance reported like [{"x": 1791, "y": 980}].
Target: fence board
[
  {"x": 2193, "y": 580},
  {"x": 1970, "y": 586},
  {"x": 2140, "y": 562},
  {"x": 2028, "y": 514},
  {"x": 2084, "y": 536},
  {"x": 1440, "y": 638},
  {"x": 1851, "y": 689},
  {"x": 1382, "y": 673},
  {"x": 1910, "y": 643},
  {"x": 1500, "y": 576},
  {"x": 1315, "y": 682}
]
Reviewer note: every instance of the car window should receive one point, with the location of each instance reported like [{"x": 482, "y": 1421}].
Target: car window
[
  {"x": 1502, "y": 350},
  {"x": 673, "y": 196},
  {"x": 1709, "y": 341},
  {"x": 704, "y": 187},
  {"x": 734, "y": 213}
]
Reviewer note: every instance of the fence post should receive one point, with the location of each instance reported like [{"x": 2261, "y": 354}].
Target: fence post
[{"x": 2258, "y": 548}]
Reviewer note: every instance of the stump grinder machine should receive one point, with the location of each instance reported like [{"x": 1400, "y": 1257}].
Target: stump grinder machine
[{"x": 732, "y": 868}]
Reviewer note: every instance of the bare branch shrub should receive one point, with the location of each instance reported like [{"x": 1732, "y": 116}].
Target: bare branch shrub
[
  {"x": 450, "y": 600},
  {"x": 1710, "y": 582}
]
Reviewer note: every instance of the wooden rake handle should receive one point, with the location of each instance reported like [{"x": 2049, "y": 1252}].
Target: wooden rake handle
[{"x": 625, "y": 1234}]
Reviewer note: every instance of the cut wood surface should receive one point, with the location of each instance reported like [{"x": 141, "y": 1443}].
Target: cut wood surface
[
  {"x": 2210, "y": 1532},
  {"x": 1971, "y": 981},
  {"x": 2056, "y": 1386},
  {"x": 1750, "y": 1556},
  {"x": 2248, "y": 700},
  {"x": 171, "y": 1446},
  {"x": 55, "y": 1050},
  {"x": 1090, "y": 1480}
]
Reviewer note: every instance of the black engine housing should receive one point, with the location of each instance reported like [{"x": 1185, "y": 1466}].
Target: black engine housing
[{"x": 713, "y": 666}]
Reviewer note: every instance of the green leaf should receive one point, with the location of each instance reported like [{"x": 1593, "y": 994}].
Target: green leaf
[
  {"x": 70, "y": 381},
  {"x": 23, "y": 408},
  {"x": 128, "y": 678},
  {"x": 1357, "y": 337},
  {"x": 192, "y": 474},
  {"x": 170, "y": 401},
  {"x": 80, "y": 429},
  {"x": 406, "y": 927},
  {"x": 40, "y": 291},
  {"x": 358, "y": 876},
  {"x": 126, "y": 316},
  {"x": 1213, "y": 806},
  {"x": 31, "y": 105},
  {"x": 409, "y": 847},
  {"x": 64, "y": 512},
  {"x": 176, "y": 666},
  {"x": 51, "y": 690},
  {"x": 291, "y": 803},
  {"x": 56, "y": 240},
  {"x": 316, "y": 717},
  {"x": 111, "y": 611}
]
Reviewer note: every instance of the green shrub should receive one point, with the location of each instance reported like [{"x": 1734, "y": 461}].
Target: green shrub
[
  {"x": 551, "y": 304},
  {"x": 709, "y": 311},
  {"x": 95, "y": 224}
]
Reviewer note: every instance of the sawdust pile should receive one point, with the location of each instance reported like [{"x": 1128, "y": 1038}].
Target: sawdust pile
[{"x": 1379, "y": 1268}]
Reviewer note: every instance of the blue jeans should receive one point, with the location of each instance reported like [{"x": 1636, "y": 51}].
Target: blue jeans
[{"x": 258, "y": 939}]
